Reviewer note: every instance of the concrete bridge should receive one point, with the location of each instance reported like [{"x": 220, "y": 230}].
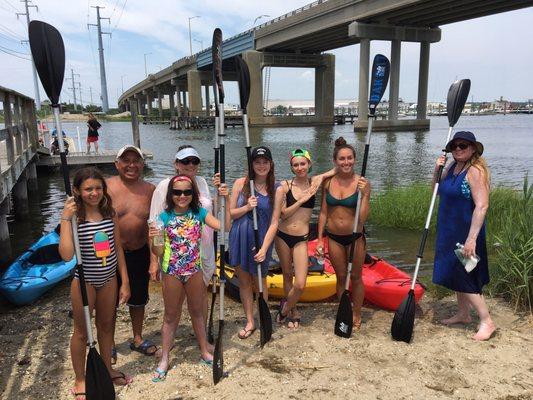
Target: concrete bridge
[
  {"x": 18, "y": 147},
  {"x": 299, "y": 39}
]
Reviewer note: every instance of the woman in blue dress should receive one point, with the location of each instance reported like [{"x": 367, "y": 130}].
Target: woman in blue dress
[
  {"x": 242, "y": 250},
  {"x": 464, "y": 200}
]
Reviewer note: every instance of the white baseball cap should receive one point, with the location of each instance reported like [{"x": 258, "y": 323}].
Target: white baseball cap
[
  {"x": 129, "y": 147},
  {"x": 187, "y": 152}
]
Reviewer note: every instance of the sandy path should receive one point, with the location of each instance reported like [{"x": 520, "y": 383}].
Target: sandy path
[{"x": 311, "y": 363}]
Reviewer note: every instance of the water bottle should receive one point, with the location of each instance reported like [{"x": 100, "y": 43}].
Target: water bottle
[
  {"x": 159, "y": 239},
  {"x": 320, "y": 257},
  {"x": 470, "y": 262}
]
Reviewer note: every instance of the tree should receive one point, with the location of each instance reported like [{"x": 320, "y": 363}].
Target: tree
[{"x": 280, "y": 110}]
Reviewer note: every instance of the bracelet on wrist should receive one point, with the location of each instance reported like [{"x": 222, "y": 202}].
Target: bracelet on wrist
[{"x": 66, "y": 219}]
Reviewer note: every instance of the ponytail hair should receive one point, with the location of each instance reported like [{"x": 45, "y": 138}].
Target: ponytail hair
[{"x": 340, "y": 144}]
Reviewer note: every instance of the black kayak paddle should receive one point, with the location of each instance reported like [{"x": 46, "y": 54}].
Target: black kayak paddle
[
  {"x": 380, "y": 78},
  {"x": 404, "y": 318},
  {"x": 48, "y": 53}
]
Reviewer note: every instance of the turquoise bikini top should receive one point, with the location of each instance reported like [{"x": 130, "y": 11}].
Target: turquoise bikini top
[{"x": 350, "y": 202}]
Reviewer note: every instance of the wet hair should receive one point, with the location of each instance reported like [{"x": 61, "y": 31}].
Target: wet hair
[
  {"x": 340, "y": 144},
  {"x": 270, "y": 184},
  {"x": 106, "y": 204},
  {"x": 195, "y": 201}
]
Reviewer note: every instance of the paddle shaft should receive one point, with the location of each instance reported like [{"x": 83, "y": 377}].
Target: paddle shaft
[
  {"x": 74, "y": 223},
  {"x": 422, "y": 246},
  {"x": 222, "y": 202},
  {"x": 371, "y": 118}
]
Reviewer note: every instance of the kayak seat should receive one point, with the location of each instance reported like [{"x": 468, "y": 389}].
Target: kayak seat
[{"x": 48, "y": 254}]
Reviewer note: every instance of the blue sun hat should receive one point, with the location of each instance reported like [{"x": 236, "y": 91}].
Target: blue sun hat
[{"x": 469, "y": 137}]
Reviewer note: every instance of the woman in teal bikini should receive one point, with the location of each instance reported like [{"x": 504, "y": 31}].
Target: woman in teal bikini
[{"x": 339, "y": 201}]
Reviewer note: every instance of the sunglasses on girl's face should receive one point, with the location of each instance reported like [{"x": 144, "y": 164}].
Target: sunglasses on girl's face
[
  {"x": 461, "y": 146},
  {"x": 178, "y": 192},
  {"x": 190, "y": 160}
]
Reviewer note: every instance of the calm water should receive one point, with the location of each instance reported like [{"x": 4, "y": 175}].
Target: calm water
[{"x": 397, "y": 158}]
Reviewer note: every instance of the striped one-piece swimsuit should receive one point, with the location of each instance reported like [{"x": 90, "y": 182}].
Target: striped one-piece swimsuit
[{"x": 95, "y": 272}]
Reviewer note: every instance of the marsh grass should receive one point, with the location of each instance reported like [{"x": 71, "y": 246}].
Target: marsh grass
[{"x": 509, "y": 233}]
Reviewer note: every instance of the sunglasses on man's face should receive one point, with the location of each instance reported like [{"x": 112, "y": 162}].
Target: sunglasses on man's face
[
  {"x": 179, "y": 193},
  {"x": 190, "y": 160},
  {"x": 461, "y": 146}
]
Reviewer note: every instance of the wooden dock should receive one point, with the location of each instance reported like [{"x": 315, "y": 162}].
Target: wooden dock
[{"x": 104, "y": 157}]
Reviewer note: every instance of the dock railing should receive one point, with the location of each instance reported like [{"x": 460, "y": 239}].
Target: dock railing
[{"x": 18, "y": 138}]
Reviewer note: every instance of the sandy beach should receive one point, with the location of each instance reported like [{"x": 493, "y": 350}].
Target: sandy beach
[{"x": 310, "y": 363}]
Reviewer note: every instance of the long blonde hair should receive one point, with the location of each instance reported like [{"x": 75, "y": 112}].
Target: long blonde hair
[{"x": 479, "y": 163}]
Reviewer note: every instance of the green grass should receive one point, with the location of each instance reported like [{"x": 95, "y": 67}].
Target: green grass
[{"x": 509, "y": 233}]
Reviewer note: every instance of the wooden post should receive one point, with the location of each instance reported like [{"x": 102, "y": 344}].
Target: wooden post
[
  {"x": 135, "y": 122},
  {"x": 20, "y": 198},
  {"x": 5, "y": 243}
]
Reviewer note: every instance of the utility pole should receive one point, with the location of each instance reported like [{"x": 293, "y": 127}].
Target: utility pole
[
  {"x": 103, "y": 82},
  {"x": 91, "y": 93},
  {"x": 73, "y": 88},
  {"x": 81, "y": 101},
  {"x": 35, "y": 81}
]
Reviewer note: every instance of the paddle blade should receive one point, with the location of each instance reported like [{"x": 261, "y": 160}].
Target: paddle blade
[
  {"x": 48, "y": 52},
  {"x": 378, "y": 84},
  {"x": 210, "y": 337},
  {"x": 243, "y": 75},
  {"x": 457, "y": 95},
  {"x": 344, "y": 320},
  {"x": 218, "y": 357},
  {"x": 404, "y": 319},
  {"x": 265, "y": 320},
  {"x": 216, "y": 51},
  {"x": 98, "y": 382}
]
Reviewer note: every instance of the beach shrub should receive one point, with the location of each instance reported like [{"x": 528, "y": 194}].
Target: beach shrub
[{"x": 512, "y": 260}]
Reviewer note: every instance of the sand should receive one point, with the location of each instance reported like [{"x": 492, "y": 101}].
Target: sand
[{"x": 311, "y": 363}]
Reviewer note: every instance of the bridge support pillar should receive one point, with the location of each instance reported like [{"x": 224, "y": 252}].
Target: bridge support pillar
[
  {"x": 255, "y": 104},
  {"x": 207, "y": 113},
  {"x": 185, "y": 108},
  {"x": 171, "y": 104},
  {"x": 148, "y": 104},
  {"x": 20, "y": 198},
  {"x": 160, "y": 104},
  {"x": 325, "y": 90},
  {"x": 423, "y": 72},
  {"x": 31, "y": 173},
  {"x": 364, "y": 59},
  {"x": 5, "y": 243},
  {"x": 194, "y": 85},
  {"x": 394, "y": 90},
  {"x": 178, "y": 102}
]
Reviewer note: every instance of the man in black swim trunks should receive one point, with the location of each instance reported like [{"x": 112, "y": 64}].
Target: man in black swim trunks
[{"x": 131, "y": 197}]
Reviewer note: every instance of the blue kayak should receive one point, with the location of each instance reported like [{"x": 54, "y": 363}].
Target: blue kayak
[{"x": 24, "y": 282}]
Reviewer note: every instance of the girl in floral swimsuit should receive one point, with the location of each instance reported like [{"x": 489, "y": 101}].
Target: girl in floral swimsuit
[{"x": 181, "y": 265}]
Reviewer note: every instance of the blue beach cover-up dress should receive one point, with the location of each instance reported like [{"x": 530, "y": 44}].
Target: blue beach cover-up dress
[
  {"x": 241, "y": 235},
  {"x": 453, "y": 224}
]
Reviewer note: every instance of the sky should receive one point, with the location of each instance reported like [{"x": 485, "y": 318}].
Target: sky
[{"x": 495, "y": 52}]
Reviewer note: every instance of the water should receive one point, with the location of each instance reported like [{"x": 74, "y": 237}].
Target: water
[{"x": 396, "y": 159}]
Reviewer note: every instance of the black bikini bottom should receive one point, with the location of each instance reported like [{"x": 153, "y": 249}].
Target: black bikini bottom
[
  {"x": 345, "y": 240},
  {"x": 292, "y": 240}
]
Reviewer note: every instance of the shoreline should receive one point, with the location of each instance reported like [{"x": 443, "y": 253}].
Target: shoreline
[{"x": 441, "y": 362}]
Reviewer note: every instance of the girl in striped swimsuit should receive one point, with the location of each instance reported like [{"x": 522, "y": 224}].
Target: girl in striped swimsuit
[{"x": 101, "y": 256}]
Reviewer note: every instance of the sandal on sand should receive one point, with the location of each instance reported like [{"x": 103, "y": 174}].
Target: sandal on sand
[
  {"x": 247, "y": 333},
  {"x": 160, "y": 375},
  {"x": 208, "y": 363},
  {"x": 114, "y": 355},
  {"x": 78, "y": 395},
  {"x": 121, "y": 375},
  {"x": 280, "y": 318},
  {"x": 144, "y": 347}
]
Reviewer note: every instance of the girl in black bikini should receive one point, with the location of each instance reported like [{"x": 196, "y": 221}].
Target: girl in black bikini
[
  {"x": 297, "y": 203},
  {"x": 339, "y": 201}
]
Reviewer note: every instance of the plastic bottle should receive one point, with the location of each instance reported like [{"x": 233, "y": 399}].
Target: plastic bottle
[
  {"x": 320, "y": 257},
  {"x": 470, "y": 262},
  {"x": 158, "y": 224}
]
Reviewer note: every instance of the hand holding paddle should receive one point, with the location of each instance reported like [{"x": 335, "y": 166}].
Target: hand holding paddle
[
  {"x": 380, "y": 78},
  {"x": 404, "y": 318}
]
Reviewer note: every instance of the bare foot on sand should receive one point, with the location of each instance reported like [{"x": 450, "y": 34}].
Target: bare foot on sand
[
  {"x": 486, "y": 329},
  {"x": 457, "y": 319}
]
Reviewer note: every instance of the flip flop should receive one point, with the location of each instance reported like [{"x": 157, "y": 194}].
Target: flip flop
[
  {"x": 144, "y": 347},
  {"x": 114, "y": 355},
  {"x": 78, "y": 394},
  {"x": 247, "y": 333},
  {"x": 122, "y": 375},
  {"x": 208, "y": 363},
  {"x": 161, "y": 375}
]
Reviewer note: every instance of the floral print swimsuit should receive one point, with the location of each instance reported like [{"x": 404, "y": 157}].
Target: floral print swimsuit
[{"x": 183, "y": 231}]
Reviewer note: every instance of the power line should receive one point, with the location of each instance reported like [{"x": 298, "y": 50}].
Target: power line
[
  {"x": 11, "y": 32},
  {"x": 120, "y": 15},
  {"x": 14, "y": 55},
  {"x": 13, "y": 51},
  {"x": 12, "y": 6}
]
